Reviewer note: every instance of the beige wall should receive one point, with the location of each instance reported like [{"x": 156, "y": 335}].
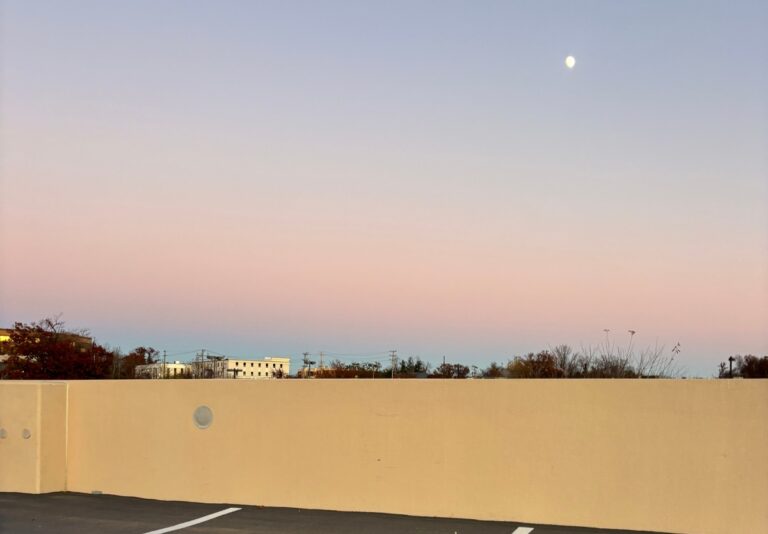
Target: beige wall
[
  {"x": 36, "y": 464},
  {"x": 674, "y": 456}
]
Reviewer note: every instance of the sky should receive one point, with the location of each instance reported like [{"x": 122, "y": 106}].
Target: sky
[{"x": 264, "y": 178}]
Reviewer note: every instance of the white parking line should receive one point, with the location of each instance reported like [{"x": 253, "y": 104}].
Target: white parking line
[
  {"x": 523, "y": 530},
  {"x": 194, "y": 521}
]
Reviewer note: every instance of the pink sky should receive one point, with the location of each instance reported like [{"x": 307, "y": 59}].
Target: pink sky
[{"x": 281, "y": 183}]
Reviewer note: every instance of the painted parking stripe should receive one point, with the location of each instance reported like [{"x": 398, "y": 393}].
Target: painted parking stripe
[
  {"x": 194, "y": 521},
  {"x": 523, "y": 530}
]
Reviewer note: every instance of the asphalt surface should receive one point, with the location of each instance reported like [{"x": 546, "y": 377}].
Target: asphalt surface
[{"x": 77, "y": 513}]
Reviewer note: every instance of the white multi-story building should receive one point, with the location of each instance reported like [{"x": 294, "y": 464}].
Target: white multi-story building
[
  {"x": 163, "y": 370},
  {"x": 269, "y": 367}
]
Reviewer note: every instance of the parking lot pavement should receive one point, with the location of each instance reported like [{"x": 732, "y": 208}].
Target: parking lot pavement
[{"x": 76, "y": 513}]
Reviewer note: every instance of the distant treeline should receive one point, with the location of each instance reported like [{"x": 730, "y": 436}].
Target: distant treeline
[
  {"x": 748, "y": 366},
  {"x": 604, "y": 361},
  {"x": 561, "y": 362},
  {"x": 47, "y": 351}
]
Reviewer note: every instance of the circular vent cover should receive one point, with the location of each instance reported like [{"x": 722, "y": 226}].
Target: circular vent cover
[{"x": 203, "y": 417}]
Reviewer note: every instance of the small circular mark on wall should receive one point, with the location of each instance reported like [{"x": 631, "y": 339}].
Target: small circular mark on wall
[
  {"x": 3, "y": 433},
  {"x": 26, "y": 434},
  {"x": 203, "y": 417}
]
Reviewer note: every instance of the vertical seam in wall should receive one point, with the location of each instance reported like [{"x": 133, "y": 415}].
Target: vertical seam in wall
[
  {"x": 38, "y": 437},
  {"x": 66, "y": 436}
]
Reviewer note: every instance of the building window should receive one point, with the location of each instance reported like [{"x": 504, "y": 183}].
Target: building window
[
  {"x": 281, "y": 366},
  {"x": 237, "y": 363},
  {"x": 251, "y": 364},
  {"x": 259, "y": 373},
  {"x": 259, "y": 364}
]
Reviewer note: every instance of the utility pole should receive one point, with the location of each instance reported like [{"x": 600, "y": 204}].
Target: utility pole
[
  {"x": 201, "y": 365},
  {"x": 321, "y": 368},
  {"x": 308, "y": 365},
  {"x": 393, "y": 356},
  {"x": 165, "y": 371}
]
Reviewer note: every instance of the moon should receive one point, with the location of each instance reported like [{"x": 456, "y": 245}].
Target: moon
[{"x": 570, "y": 62}]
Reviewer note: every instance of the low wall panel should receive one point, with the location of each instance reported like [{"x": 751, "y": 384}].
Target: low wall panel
[
  {"x": 32, "y": 436},
  {"x": 673, "y": 456}
]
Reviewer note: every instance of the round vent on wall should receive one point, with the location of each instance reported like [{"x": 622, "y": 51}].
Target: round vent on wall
[{"x": 203, "y": 417}]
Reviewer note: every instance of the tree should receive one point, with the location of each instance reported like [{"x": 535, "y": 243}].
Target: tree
[
  {"x": 754, "y": 367},
  {"x": 46, "y": 350},
  {"x": 126, "y": 365},
  {"x": 748, "y": 366},
  {"x": 572, "y": 364},
  {"x": 541, "y": 365},
  {"x": 652, "y": 362},
  {"x": 412, "y": 368},
  {"x": 339, "y": 369},
  {"x": 610, "y": 360},
  {"x": 494, "y": 371},
  {"x": 450, "y": 370}
]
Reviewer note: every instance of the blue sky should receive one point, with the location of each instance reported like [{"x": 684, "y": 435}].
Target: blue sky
[{"x": 275, "y": 177}]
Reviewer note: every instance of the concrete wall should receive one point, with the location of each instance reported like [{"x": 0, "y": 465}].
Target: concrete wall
[
  {"x": 33, "y": 436},
  {"x": 673, "y": 456}
]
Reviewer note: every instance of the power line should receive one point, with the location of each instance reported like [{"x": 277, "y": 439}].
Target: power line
[
  {"x": 358, "y": 354},
  {"x": 191, "y": 351},
  {"x": 383, "y": 356}
]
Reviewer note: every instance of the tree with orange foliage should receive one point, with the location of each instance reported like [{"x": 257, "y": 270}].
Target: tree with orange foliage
[{"x": 47, "y": 351}]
